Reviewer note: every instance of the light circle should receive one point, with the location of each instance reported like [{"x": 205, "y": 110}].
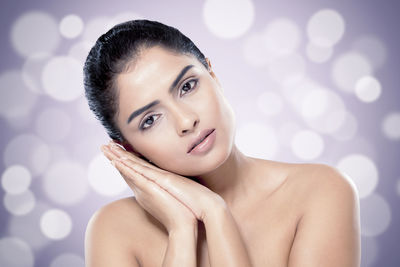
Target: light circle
[
  {"x": 362, "y": 170},
  {"x": 368, "y": 89},
  {"x": 71, "y": 26},
  {"x": 16, "y": 179},
  {"x": 65, "y": 182},
  {"x": 375, "y": 215},
  {"x": 34, "y": 32},
  {"x": 307, "y": 145},
  {"x": 14, "y": 252},
  {"x": 104, "y": 178},
  {"x": 20, "y": 204},
  {"x": 62, "y": 78},
  {"x": 391, "y": 125},
  {"x": 326, "y": 27},
  {"x": 55, "y": 224},
  {"x": 228, "y": 19},
  {"x": 270, "y": 103},
  {"x": 67, "y": 260}
]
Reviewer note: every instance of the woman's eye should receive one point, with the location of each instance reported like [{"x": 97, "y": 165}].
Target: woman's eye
[
  {"x": 148, "y": 122},
  {"x": 187, "y": 87}
]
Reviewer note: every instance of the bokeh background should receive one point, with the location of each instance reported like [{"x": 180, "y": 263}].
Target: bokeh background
[{"x": 309, "y": 81}]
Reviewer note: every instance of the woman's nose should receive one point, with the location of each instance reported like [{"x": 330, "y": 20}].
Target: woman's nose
[{"x": 186, "y": 120}]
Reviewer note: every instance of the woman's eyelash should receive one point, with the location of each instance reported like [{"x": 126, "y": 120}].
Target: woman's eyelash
[{"x": 142, "y": 125}]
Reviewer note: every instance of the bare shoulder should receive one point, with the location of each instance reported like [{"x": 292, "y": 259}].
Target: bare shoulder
[
  {"x": 113, "y": 232},
  {"x": 320, "y": 180}
]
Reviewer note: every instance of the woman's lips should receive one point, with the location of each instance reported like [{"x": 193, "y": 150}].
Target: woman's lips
[{"x": 205, "y": 144}]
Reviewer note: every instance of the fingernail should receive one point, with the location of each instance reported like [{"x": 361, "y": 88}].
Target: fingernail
[{"x": 103, "y": 148}]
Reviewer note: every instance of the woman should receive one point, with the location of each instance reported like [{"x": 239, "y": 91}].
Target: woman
[{"x": 198, "y": 200}]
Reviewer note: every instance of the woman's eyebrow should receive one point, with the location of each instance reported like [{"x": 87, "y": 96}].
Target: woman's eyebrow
[{"x": 155, "y": 102}]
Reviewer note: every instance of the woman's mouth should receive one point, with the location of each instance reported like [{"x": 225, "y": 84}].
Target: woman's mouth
[{"x": 204, "y": 144}]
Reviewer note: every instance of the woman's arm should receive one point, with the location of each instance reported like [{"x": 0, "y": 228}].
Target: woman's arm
[
  {"x": 181, "y": 250},
  {"x": 224, "y": 242}
]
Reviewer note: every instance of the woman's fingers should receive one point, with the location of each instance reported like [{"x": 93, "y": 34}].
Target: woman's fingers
[{"x": 119, "y": 151}]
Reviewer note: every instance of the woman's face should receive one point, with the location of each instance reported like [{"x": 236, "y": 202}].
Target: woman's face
[{"x": 164, "y": 130}]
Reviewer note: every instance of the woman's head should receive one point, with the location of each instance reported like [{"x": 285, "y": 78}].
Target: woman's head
[{"x": 141, "y": 62}]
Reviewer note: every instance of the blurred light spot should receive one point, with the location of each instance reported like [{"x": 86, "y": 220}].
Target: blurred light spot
[
  {"x": 348, "y": 129},
  {"x": 80, "y": 51},
  {"x": 254, "y": 50},
  {"x": 228, "y": 19},
  {"x": 20, "y": 204},
  {"x": 16, "y": 179},
  {"x": 270, "y": 103},
  {"x": 348, "y": 69},
  {"x": 307, "y": 145},
  {"x": 375, "y": 215},
  {"x": 368, "y": 89},
  {"x": 325, "y": 27},
  {"x": 71, "y": 26},
  {"x": 318, "y": 54},
  {"x": 104, "y": 178},
  {"x": 65, "y": 182},
  {"x": 323, "y": 110},
  {"x": 62, "y": 78},
  {"x": 362, "y": 170},
  {"x": 16, "y": 100},
  {"x": 373, "y": 49},
  {"x": 124, "y": 16},
  {"x": 32, "y": 71},
  {"x": 34, "y": 32},
  {"x": 28, "y": 150},
  {"x": 282, "y": 37},
  {"x": 287, "y": 70},
  {"x": 391, "y": 126},
  {"x": 95, "y": 28},
  {"x": 370, "y": 251},
  {"x": 17, "y": 226},
  {"x": 67, "y": 260},
  {"x": 398, "y": 187},
  {"x": 286, "y": 132},
  {"x": 15, "y": 252},
  {"x": 53, "y": 124},
  {"x": 55, "y": 224},
  {"x": 257, "y": 140}
]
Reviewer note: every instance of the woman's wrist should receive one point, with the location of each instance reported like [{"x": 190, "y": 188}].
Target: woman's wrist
[{"x": 183, "y": 231}]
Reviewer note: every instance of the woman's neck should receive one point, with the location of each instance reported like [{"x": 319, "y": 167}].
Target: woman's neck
[{"x": 233, "y": 179}]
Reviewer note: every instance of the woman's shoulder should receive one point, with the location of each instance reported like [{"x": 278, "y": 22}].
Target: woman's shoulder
[{"x": 119, "y": 227}]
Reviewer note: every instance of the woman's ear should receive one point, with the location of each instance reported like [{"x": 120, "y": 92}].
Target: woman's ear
[{"x": 212, "y": 73}]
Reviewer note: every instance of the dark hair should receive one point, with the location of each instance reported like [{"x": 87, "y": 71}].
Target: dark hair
[{"x": 112, "y": 54}]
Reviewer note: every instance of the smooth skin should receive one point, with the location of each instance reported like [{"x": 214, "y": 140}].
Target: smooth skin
[{"x": 235, "y": 210}]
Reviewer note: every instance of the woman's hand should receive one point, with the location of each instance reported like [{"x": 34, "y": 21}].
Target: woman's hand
[
  {"x": 193, "y": 195},
  {"x": 173, "y": 214}
]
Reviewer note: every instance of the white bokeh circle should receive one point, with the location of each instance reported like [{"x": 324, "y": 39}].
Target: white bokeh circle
[
  {"x": 228, "y": 19},
  {"x": 318, "y": 54},
  {"x": 362, "y": 171},
  {"x": 65, "y": 182},
  {"x": 16, "y": 99},
  {"x": 348, "y": 68},
  {"x": 16, "y": 179},
  {"x": 67, "y": 260},
  {"x": 28, "y": 150},
  {"x": 257, "y": 140},
  {"x": 307, "y": 145},
  {"x": 62, "y": 78},
  {"x": 326, "y": 27},
  {"x": 368, "y": 89},
  {"x": 56, "y": 224},
  {"x": 270, "y": 103},
  {"x": 34, "y": 32},
  {"x": 375, "y": 214},
  {"x": 53, "y": 124},
  {"x": 15, "y": 252},
  {"x": 20, "y": 204},
  {"x": 391, "y": 125},
  {"x": 71, "y": 26},
  {"x": 104, "y": 178}
]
